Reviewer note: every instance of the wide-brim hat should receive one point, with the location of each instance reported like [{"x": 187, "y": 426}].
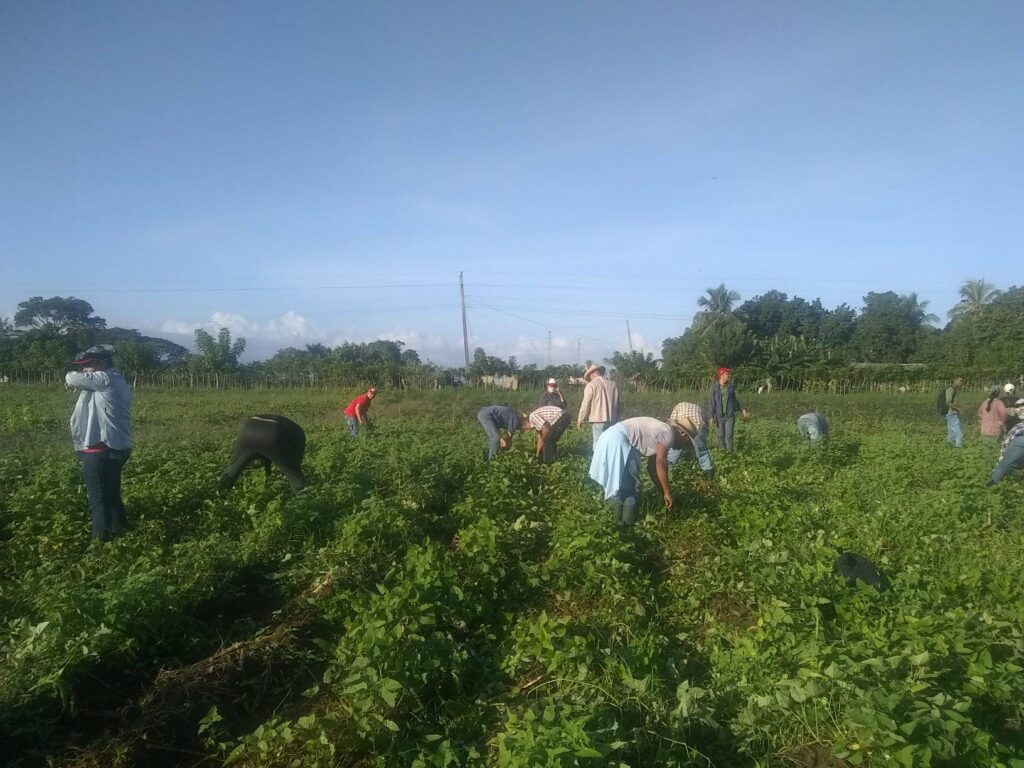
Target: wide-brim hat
[
  {"x": 687, "y": 425},
  {"x": 92, "y": 354},
  {"x": 594, "y": 368}
]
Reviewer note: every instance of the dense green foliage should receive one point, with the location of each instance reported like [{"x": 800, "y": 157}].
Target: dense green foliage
[
  {"x": 416, "y": 606},
  {"x": 790, "y": 342}
]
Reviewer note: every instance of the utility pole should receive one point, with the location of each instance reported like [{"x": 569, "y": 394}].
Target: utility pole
[
  {"x": 465, "y": 332},
  {"x": 629, "y": 338},
  {"x": 549, "y": 349}
]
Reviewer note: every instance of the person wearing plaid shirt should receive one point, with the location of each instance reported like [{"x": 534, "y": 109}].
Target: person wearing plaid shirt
[
  {"x": 1012, "y": 453},
  {"x": 550, "y": 421},
  {"x": 691, "y": 417}
]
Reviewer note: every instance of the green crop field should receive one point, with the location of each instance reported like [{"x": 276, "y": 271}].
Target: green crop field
[{"x": 415, "y": 606}]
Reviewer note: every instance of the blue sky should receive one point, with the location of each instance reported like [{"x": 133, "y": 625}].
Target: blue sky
[{"x": 308, "y": 172}]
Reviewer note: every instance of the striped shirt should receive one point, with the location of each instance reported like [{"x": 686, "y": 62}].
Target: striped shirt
[{"x": 546, "y": 413}]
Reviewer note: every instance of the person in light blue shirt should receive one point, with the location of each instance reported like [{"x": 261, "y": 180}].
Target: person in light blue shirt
[
  {"x": 101, "y": 431},
  {"x": 813, "y": 426}
]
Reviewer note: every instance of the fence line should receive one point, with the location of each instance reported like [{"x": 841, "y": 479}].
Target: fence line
[{"x": 841, "y": 386}]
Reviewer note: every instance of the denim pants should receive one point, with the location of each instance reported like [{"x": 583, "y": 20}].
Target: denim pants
[
  {"x": 624, "y": 503},
  {"x": 353, "y": 425},
  {"x": 954, "y": 434},
  {"x": 102, "y": 473},
  {"x": 493, "y": 438},
  {"x": 726, "y": 425},
  {"x": 700, "y": 451},
  {"x": 1014, "y": 455}
]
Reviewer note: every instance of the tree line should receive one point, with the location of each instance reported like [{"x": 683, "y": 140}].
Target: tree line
[{"x": 771, "y": 336}]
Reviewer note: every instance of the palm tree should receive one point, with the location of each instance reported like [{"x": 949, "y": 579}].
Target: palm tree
[
  {"x": 974, "y": 295},
  {"x": 917, "y": 310},
  {"x": 719, "y": 301}
]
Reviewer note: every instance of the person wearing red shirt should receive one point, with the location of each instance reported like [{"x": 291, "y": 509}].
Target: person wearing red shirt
[{"x": 357, "y": 410}]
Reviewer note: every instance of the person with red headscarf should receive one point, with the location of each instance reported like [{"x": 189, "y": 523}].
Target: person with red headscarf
[{"x": 723, "y": 406}]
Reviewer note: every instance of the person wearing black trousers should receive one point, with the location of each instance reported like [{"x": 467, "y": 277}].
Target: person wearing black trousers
[{"x": 274, "y": 440}]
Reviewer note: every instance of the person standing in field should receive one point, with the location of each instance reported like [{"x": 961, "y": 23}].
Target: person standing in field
[
  {"x": 274, "y": 440},
  {"x": 601, "y": 405},
  {"x": 101, "y": 430},
  {"x": 723, "y": 405},
  {"x": 357, "y": 411},
  {"x": 616, "y": 462},
  {"x": 495, "y": 419},
  {"x": 813, "y": 426},
  {"x": 550, "y": 421},
  {"x": 991, "y": 416},
  {"x": 1010, "y": 455},
  {"x": 690, "y": 417},
  {"x": 951, "y": 398},
  {"x": 551, "y": 395}
]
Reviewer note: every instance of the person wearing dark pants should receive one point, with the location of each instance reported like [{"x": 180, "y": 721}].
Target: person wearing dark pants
[
  {"x": 550, "y": 421},
  {"x": 274, "y": 440},
  {"x": 102, "y": 470},
  {"x": 494, "y": 419},
  {"x": 101, "y": 430},
  {"x": 723, "y": 405}
]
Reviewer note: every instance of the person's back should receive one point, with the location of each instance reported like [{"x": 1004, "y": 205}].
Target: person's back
[{"x": 991, "y": 416}]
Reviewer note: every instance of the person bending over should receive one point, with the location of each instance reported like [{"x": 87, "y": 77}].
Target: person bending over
[{"x": 274, "y": 440}]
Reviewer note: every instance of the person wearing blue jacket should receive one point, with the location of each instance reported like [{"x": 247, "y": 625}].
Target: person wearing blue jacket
[{"x": 723, "y": 406}]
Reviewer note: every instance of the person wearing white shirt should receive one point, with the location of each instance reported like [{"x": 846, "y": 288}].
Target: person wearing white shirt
[{"x": 101, "y": 431}]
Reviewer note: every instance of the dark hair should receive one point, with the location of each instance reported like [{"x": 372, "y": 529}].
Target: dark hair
[{"x": 992, "y": 395}]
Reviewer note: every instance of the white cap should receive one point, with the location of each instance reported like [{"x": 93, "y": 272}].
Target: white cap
[
  {"x": 553, "y": 381},
  {"x": 1008, "y": 388}
]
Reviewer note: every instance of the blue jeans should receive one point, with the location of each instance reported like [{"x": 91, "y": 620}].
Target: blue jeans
[
  {"x": 624, "y": 503},
  {"x": 102, "y": 473},
  {"x": 726, "y": 425},
  {"x": 700, "y": 450},
  {"x": 1014, "y": 455},
  {"x": 954, "y": 434},
  {"x": 491, "y": 429},
  {"x": 353, "y": 425}
]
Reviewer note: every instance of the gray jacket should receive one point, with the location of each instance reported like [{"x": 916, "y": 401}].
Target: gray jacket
[{"x": 103, "y": 413}]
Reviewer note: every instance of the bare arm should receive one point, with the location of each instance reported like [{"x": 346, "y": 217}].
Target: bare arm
[
  {"x": 361, "y": 413},
  {"x": 657, "y": 466}
]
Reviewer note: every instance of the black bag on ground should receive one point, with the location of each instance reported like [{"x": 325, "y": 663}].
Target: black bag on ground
[{"x": 854, "y": 568}]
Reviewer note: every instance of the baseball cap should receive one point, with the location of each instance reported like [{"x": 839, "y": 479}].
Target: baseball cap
[
  {"x": 722, "y": 370},
  {"x": 371, "y": 391},
  {"x": 92, "y": 354},
  {"x": 553, "y": 381}
]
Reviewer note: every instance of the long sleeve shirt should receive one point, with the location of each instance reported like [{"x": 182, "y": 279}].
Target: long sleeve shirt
[
  {"x": 720, "y": 407},
  {"x": 601, "y": 401},
  {"x": 103, "y": 410}
]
